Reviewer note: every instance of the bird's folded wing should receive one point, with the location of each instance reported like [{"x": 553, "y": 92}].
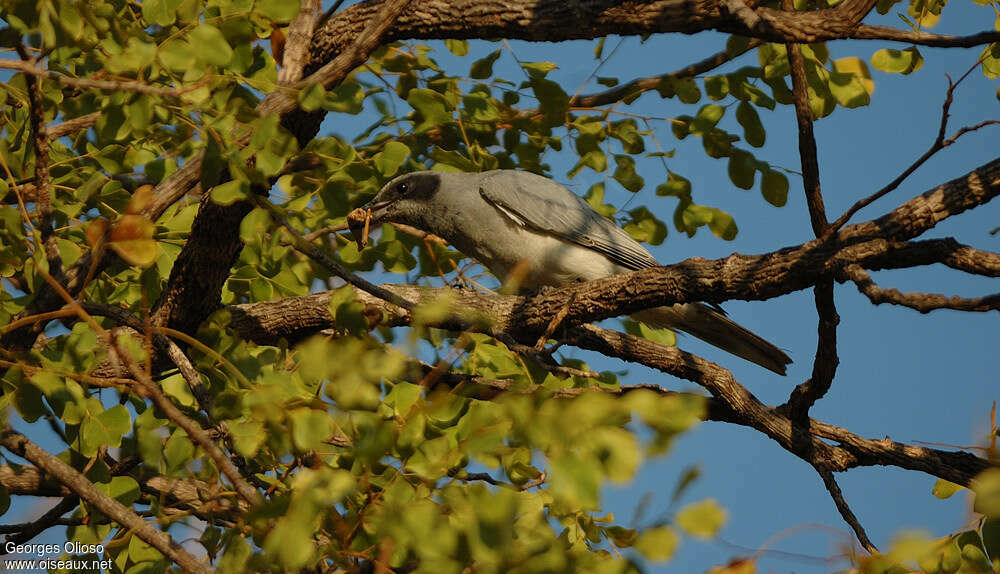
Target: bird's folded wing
[{"x": 543, "y": 205}]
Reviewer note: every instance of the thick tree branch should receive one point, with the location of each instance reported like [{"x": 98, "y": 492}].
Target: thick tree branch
[
  {"x": 545, "y": 21},
  {"x": 40, "y": 145},
  {"x": 296, "y": 53},
  {"x": 195, "y": 285},
  {"x": 865, "y": 32}
]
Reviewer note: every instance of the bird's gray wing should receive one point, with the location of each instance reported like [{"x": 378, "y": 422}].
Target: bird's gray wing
[{"x": 541, "y": 204}]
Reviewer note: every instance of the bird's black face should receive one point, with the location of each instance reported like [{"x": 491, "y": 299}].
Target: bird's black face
[{"x": 405, "y": 199}]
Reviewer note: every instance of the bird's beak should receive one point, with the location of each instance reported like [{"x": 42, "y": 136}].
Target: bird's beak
[{"x": 360, "y": 220}]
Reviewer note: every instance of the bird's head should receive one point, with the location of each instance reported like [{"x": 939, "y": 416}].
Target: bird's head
[{"x": 406, "y": 199}]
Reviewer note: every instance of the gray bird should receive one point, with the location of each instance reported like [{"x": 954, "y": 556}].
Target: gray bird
[{"x": 520, "y": 223}]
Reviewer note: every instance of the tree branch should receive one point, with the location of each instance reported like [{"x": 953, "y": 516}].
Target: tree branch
[
  {"x": 196, "y": 279},
  {"x": 545, "y": 21},
  {"x": 939, "y": 143},
  {"x": 30, "y": 70},
  {"x": 826, "y": 360},
  {"x": 845, "y": 511},
  {"x": 923, "y": 302},
  {"x": 19, "y": 444},
  {"x": 634, "y": 88},
  {"x": 300, "y": 33},
  {"x": 40, "y": 145}
]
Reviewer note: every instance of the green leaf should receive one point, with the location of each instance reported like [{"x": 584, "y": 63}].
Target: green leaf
[
  {"x": 457, "y": 47},
  {"x": 124, "y": 489},
  {"x": 742, "y": 169},
  {"x": 115, "y": 421},
  {"x": 310, "y": 428},
  {"x": 595, "y": 197},
  {"x": 599, "y": 48},
  {"x": 160, "y": 12},
  {"x": 627, "y": 132},
  {"x": 553, "y": 102},
  {"x": 231, "y": 191},
  {"x": 718, "y": 143},
  {"x": 347, "y": 311},
  {"x": 640, "y": 329},
  {"x": 658, "y": 543},
  {"x": 991, "y": 537},
  {"x": 675, "y": 186},
  {"x": 432, "y": 109},
  {"x": 688, "y": 477},
  {"x": 538, "y": 70},
  {"x": 626, "y": 175},
  {"x": 986, "y": 486},
  {"x": 707, "y": 118},
  {"x": 702, "y": 519},
  {"x": 483, "y": 68},
  {"x": 392, "y": 156},
  {"x": 212, "y": 45},
  {"x": 774, "y": 187},
  {"x": 177, "y": 55},
  {"x": 139, "y": 551},
  {"x": 681, "y": 126},
  {"x": 178, "y": 453},
  {"x": 687, "y": 90},
  {"x": 346, "y": 98},
  {"x": 945, "y": 489},
  {"x": 576, "y": 480},
  {"x": 212, "y": 164},
  {"x": 753, "y": 130},
  {"x": 277, "y": 10},
  {"x": 248, "y": 436},
  {"x": 991, "y": 61},
  {"x": 723, "y": 225},
  {"x": 644, "y": 227},
  {"x": 717, "y": 87},
  {"x": 898, "y": 61},
  {"x": 312, "y": 97}
]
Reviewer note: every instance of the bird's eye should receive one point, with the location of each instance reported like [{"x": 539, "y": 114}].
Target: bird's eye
[{"x": 402, "y": 188}]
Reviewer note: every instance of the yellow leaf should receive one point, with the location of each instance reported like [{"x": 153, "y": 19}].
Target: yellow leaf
[{"x": 858, "y": 68}]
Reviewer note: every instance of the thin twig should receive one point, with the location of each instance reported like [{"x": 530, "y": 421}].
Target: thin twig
[
  {"x": 30, "y": 69},
  {"x": 923, "y": 302},
  {"x": 640, "y": 85},
  {"x": 940, "y": 142},
  {"x": 73, "y": 125},
  {"x": 845, "y": 511},
  {"x": 149, "y": 388}
]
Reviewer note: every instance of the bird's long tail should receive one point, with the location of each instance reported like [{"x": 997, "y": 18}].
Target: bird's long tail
[{"x": 715, "y": 328}]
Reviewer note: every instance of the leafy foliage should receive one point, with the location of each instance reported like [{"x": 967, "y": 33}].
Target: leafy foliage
[{"x": 360, "y": 457}]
